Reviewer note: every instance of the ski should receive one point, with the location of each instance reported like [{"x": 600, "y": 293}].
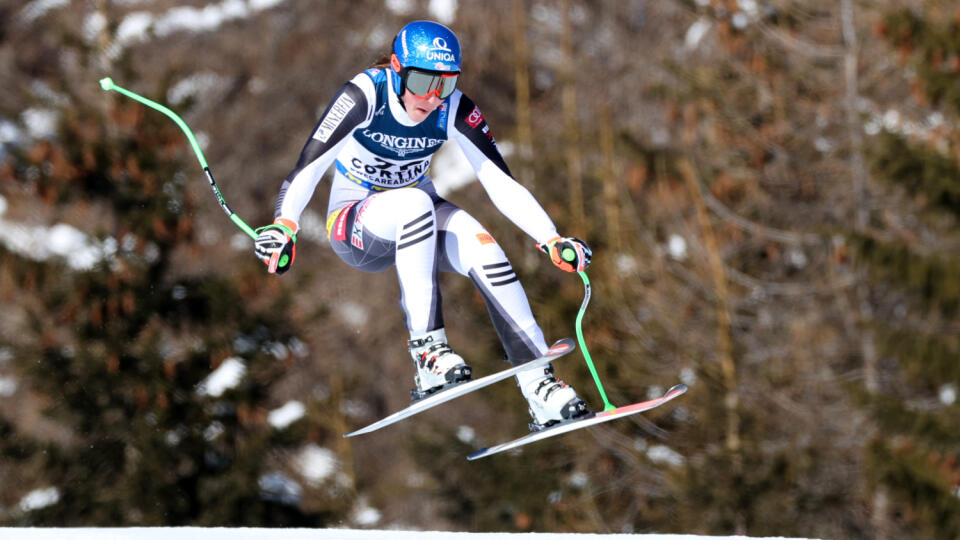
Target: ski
[
  {"x": 558, "y": 349},
  {"x": 597, "y": 418}
]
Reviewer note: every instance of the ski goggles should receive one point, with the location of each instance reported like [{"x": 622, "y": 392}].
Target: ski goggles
[{"x": 423, "y": 83}]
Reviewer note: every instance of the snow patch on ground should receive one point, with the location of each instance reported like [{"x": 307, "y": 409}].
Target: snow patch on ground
[
  {"x": 198, "y": 533},
  {"x": 141, "y": 26},
  {"x": 365, "y": 515},
  {"x": 43, "y": 243},
  {"x": 316, "y": 464},
  {"x": 286, "y": 415},
  {"x": 225, "y": 377},
  {"x": 40, "y": 123},
  {"x": 39, "y": 498}
]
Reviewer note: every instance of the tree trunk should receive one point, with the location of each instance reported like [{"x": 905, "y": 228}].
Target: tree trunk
[
  {"x": 728, "y": 368},
  {"x": 611, "y": 175},
  {"x": 571, "y": 126},
  {"x": 858, "y": 174},
  {"x": 521, "y": 65}
]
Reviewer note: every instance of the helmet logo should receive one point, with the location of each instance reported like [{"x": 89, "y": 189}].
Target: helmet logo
[
  {"x": 440, "y": 44},
  {"x": 440, "y": 52}
]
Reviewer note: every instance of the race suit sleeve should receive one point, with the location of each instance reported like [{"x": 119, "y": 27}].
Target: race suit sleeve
[
  {"x": 350, "y": 108},
  {"x": 512, "y": 199}
]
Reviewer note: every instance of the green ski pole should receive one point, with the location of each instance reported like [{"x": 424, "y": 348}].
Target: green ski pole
[
  {"x": 569, "y": 255},
  {"x": 107, "y": 84}
]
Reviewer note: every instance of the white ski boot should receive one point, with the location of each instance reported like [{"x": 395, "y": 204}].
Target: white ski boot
[
  {"x": 437, "y": 365},
  {"x": 551, "y": 400}
]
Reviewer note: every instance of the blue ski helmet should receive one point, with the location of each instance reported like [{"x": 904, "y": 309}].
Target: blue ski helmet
[{"x": 425, "y": 45}]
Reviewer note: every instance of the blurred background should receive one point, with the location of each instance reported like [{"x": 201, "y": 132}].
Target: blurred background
[{"x": 770, "y": 189}]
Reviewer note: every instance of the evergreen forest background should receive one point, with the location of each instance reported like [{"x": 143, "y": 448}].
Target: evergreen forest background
[{"x": 770, "y": 189}]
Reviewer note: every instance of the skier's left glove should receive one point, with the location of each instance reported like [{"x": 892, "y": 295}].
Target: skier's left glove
[
  {"x": 276, "y": 245},
  {"x": 568, "y": 254}
]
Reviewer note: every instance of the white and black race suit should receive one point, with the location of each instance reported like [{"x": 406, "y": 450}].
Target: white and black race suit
[{"x": 384, "y": 209}]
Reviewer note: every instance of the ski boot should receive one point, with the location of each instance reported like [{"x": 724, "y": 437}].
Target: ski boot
[
  {"x": 551, "y": 400},
  {"x": 436, "y": 363}
]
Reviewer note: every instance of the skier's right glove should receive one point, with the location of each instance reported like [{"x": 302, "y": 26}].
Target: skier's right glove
[
  {"x": 276, "y": 245},
  {"x": 568, "y": 254}
]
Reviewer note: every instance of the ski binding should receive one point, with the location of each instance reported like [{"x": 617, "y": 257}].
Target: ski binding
[{"x": 454, "y": 390}]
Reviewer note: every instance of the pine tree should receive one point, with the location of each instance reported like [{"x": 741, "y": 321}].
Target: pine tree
[{"x": 116, "y": 353}]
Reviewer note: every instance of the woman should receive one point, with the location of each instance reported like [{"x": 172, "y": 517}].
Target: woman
[{"x": 380, "y": 131}]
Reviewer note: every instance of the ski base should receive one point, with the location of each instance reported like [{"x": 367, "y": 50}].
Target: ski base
[
  {"x": 580, "y": 423},
  {"x": 453, "y": 391}
]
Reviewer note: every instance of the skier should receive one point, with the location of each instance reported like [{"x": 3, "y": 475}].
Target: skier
[{"x": 380, "y": 132}]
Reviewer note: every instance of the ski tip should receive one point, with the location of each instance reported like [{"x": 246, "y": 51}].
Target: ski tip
[
  {"x": 477, "y": 455},
  {"x": 677, "y": 389},
  {"x": 106, "y": 83},
  {"x": 562, "y": 346}
]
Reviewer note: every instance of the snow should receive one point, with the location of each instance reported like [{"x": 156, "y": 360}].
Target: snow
[
  {"x": 316, "y": 464},
  {"x": 9, "y": 133},
  {"x": 354, "y": 314},
  {"x": 225, "y": 377},
  {"x": 466, "y": 434},
  {"x": 451, "y": 170},
  {"x": 40, "y": 123},
  {"x": 664, "y": 455},
  {"x": 278, "y": 487},
  {"x": 38, "y": 8},
  {"x": 93, "y": 24},
  {"x": 240, "y": 241},
  {"x": 626, "y": 264},
  {"x": 740, "y": 20},
  {"x": 696, "y": 32},
  {"x": 948, "y": 394},
  {"x": 262, "y": 5},
  {"x": 400, "y": 7},
  {"x": 136, "y": 26},
  {"x": 313, "y": 226},
  {"x": 205, "y": 82},
  {"x": 444, "y": 11},
  {"x": 677, "y": 246},
  {"x": 8, "y": 386},
  {"x": 365, "y": 515},
  {"x": 42, "y": 243},
  {"x": 579, "y": 480},
  {"x": 214, "y": 430},
  {"x": 199, "y": 533},
  {"x": 39, "y": 498},
  {"x": 286, "y": 415}
]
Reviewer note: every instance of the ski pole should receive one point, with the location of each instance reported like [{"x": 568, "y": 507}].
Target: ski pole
[
  {"x": 569, "y": 255},
  {"x": 107, "y": 84}
]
